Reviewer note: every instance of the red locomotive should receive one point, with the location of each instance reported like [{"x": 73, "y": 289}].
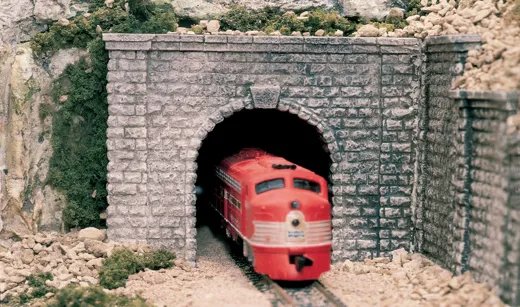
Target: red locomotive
[{"x": 279, "y": 211}]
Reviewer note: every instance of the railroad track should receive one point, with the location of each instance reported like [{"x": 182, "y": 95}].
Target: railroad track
[{"x": 314, "y": 294}]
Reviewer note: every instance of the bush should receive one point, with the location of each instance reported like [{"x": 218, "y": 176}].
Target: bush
[
  {"x": 329, "y": 22},
  {"x": 79, "y": 162},
  {"x": 92, "y": 297},
  {"x": 159, "y": 259},
  {"x": 123, "y": 263},
  {"x": 269, "y": 20},
  {"x": 38, "y": 284},
  {"x": 243, "y": 19},
  {"x": 39, "y": 289},
  {"x": 414, "y": 8}
]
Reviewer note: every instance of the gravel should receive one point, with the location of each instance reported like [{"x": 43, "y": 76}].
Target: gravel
[
  {"x": 407, "y": 280},
  {"x": 216, "y": 281}
]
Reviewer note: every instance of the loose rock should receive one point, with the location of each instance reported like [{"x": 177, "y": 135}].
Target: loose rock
[{"x": 92, "y": 233}]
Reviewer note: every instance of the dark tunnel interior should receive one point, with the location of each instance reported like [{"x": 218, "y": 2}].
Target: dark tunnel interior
[{"x": 279, "y": 133}]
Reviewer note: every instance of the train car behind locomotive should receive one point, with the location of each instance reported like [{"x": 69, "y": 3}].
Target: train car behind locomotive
[{"x": 279, "y": 211}]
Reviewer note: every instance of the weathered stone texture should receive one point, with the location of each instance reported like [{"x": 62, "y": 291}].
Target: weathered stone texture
[
  {"x": 510, "y": 271},
  {"x": 465, "y": 217},
  {"x": 439, "y": 218},
  {"x": 365, "y": 112},
  {"x": 484, "y": 190},
  {"x": 412, "y": 165}
]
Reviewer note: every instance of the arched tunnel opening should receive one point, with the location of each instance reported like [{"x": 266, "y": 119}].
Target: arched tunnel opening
[{"x": 279, "y": 133}]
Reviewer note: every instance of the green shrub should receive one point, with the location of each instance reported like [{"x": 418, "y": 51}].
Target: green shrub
[
  {"x": 159, "y": 259},
  {"x": 123, "y": 263},
  {"x": 79, "y": 162},
  {"x": 414, "y": 8},
  {"x": 92, "y": 297},
  {"x": 329, "y": 22},
  {"x": 270, "y": 20},
  {"x": 288, "y": 23},
  {"x": 243, "y": 19},
  {"x": 37, "y": 282},
  {"x": 197, "y": 29},
  {"x": 44, "y": 110}
]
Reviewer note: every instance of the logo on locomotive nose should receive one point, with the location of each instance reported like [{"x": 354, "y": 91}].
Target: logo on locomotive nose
[{"x": 296, "y": 226}]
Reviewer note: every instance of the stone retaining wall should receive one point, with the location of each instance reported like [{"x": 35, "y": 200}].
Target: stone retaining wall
[
  {"x": 439, "y": 216},
  {"x": 413, "y": 165},
  {"x": 167, "y": 92},
  {"x": 466, "y": 214},
  {"x": 489, "y": 209}
]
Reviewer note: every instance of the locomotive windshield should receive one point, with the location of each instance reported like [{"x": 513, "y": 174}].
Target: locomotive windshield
[
  {"x": 307, "y": 185},
  {"x": 269, "y": 185}
]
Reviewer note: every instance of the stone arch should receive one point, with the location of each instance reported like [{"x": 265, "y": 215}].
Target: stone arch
[{"x": 309, "y": 116}]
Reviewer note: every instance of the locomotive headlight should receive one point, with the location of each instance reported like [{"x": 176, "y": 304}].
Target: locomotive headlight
[
  {"x": 295, "y": 222},
  {"x": 295, "y": 205}
]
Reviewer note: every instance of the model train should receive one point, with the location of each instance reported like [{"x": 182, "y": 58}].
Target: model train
[{"x": 278, "y": 211}]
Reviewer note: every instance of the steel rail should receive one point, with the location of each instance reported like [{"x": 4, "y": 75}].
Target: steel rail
[
  {"x": 286, "y": 298},
  {"x": 329, "y": 295}
]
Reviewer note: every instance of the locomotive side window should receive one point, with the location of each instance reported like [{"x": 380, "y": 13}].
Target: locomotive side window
[
  {"x": 307, "y": 185},
  {"x": 269, "y": 185}
]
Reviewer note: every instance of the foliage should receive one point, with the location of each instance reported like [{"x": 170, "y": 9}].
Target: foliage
[
  {"x": 72, "y": 296},
  {"x": 44, "y": 110},
  {"x": 79, "y": 162},
  {"x": 287, "y": 23},
  {"x": 243, "y": 19},
  {"x": 197, "y": 29},
  {"x": 269, "y": 20},
  {"x": 414, "y": 8},
  {"x": 38, "y": 284},
  {"x": 123, "y": 263},
  {"x": 330, "y": 22},
  {"x": 39, "y": 289},
  {"x": 158, "y": 259}
]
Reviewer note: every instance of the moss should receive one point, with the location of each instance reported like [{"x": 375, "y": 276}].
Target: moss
[
  {"x": 123, "y": 263},
  {"x": 72, "y": 296},
  {"x": 288, "y": 23},
  {"x": 387, "y": 26},
  {"x": 38, "y": 284},
  {"x": 158, "y": 259},
  {"x": 197, "y": 29},
  {"x": 39, "y": 289},
  {"x": 329, "y": 22},
  {"x": 414, "y": 8},
  {"x": 79, "y": 162},
  {"x": 243, "y": 19},
  {"x": 269, "y": 20},
  {"x": 45, "y": 110}
]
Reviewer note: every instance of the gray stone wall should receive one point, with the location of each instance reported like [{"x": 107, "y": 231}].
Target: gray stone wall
[
  {"x": 486, "y": 181},
  {"x": 413, "y": 165},
  {"x": 466, "y": 215},
  {"x": 510, "y": 271},
  {"x": 167, "y": 92},
  {"x": 439, "y": 214}
]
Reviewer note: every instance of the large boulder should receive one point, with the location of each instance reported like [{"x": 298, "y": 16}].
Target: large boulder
[
  {"x": 64, "y": 57},
  {"x": 15, "y": 20},
  {"x": 371, "y": 9},
  {"x": 51, "y": 10},
  {"x": 92, "y": 233}
]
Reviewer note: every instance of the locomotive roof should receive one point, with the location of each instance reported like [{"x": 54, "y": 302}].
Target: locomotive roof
[{"x": 255, "y": 161}]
